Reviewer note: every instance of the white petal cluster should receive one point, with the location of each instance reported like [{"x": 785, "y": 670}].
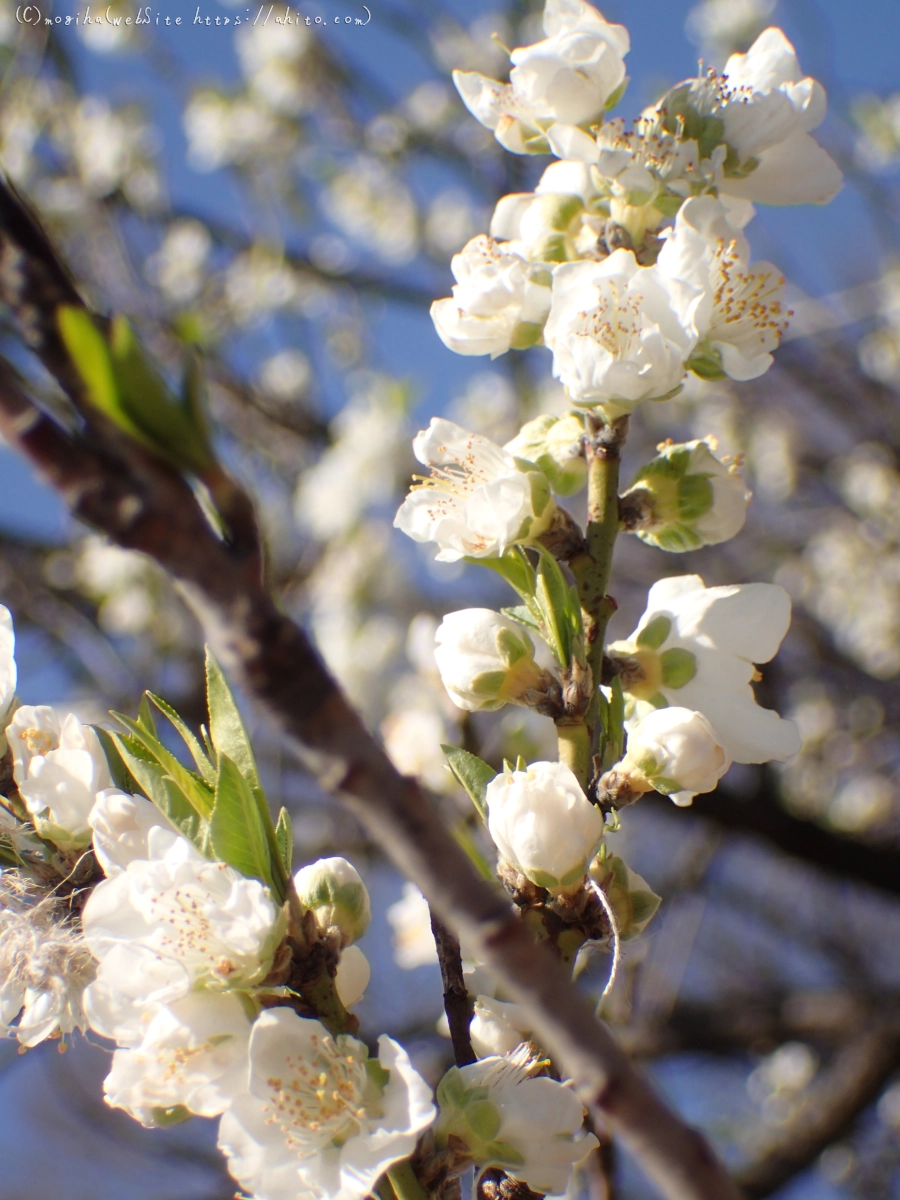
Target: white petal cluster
[
  {"x": 695, "y": 648},
  {"x": 531, "y": 1127},
  {"x": 121, "y": 825},
  {"x": 60, "y": 768},
  {"x": 736, "y": 310},
  {"x": 497, "y": 1026},
  {"x": 410, "y": 920},
  {"x": 477, "y": 500},
  {"x": 674, "y": 751},
  {"x": 615, "y": 333},
  {"x": 8, "y": 675},
  {"x": 568, "y": 79},
  {"x": 314, "y": 1120},
  {"x": 542, "y": 822},
  {"x": 485, "y": 660},
  {"x": 499, "y": 301}
]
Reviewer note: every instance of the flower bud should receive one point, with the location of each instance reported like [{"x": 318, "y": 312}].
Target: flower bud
[
  {"x": 497, "y": 1027},
  {"x": 486, "y": 661},
  {"x": 554, "y": 445},
  {"x": 543, "y": 824},
  {"x": 334, "y": 892},
  {"x": 673, "y": 751},
  {"x": 685, "y": 498},
  {"x": 630, "y": 897}
]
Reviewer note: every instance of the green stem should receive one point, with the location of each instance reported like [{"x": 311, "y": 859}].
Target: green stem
[
  {"x": 575, "y": 749},
  {"x": 593, "y": 568},
  {"x": 404, "y": 1182}
]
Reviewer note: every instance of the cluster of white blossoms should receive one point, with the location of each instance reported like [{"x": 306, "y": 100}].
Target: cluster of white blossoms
[
  {"x": 225, "y": 985},
  {"x": 629, "y": 261}
]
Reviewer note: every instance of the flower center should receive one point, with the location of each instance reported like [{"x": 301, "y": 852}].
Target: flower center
[
  {"x": 321, "y": 1098},
  {"x": 39, "y": 741},
  {"x": 747, "y": 301},
  {"x": 615, "y": 324}
]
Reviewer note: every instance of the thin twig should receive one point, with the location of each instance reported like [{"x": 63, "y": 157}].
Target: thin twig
[{"x": 457, "y": 1005}]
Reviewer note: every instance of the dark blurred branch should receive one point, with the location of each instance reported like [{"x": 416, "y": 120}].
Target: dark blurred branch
[{"x": 456, "y": 998}]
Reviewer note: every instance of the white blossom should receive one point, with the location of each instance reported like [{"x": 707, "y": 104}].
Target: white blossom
[
  {"x": 477, "y": 501},
  {"x": 178, "y": 922},
  {"x": 8, "y": 676},
  {"x": 334, "y": 891},
  {"x": 569, "y": 78},
  {"x": 695, "y": 648},
  {"x": 315, "y": 1121},
  {"x": 531, "y": 1127},
  {"x": 499, "y": 301},
  {"x": 497, "y": 1027},
  {"x": 736, "y": 310},
  {"x": 674, "y": 751},
  {"x": 121, "y": 825},
  {"x": 687, "y": 497},
  {"x": 59, "y": 766},
  {"x": 193, "y": 1054},
  {"x": 615, "y": 334},
  {"x": 410, "y": 919},
  {"x": 486, "y": 660},
  {"x": 543, "y": 824},
  {"x": 754, "y": 125}
]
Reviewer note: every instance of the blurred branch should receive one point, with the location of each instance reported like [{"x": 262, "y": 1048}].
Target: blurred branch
[
  {"x": 456, "y": 997},
  {"x": 832, "y": 1104}
]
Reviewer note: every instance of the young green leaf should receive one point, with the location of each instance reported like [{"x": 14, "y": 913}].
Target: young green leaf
[
  {"x": 523, "y": 615},
  {"x": 473, "y": 773},
  {"x": 152, "y": 781},
  {"x": 236, "y": 830},
  {"x": 515, "y": 569},
  {"x": 196, "y": 790},
  {"x": 145, "y": 716},
  {"x": 121, "y": 776},
  {"x": 204, "y": 766},
  {"x": 553, "y": 596},
  {"x": 284, "y": 836},
  {"x": 227, "y": 730}
]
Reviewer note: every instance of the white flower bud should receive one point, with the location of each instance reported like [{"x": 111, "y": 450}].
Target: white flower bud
[
  {"x": 685, "y": 498},
  {"x": 332, "y": 888},
  {"x": 60, "y": 767},
  {"x": 554, "y": 445},
  {"x": 499, "y": 302},
  {"x": 485, "y": 660},
  {"x": 532, "y": 1128},
  {"x": 477, "y": 501},
  {"x": 543, "y": 824},
  {"x": 353, "y": 975},
  {"x": 497, "y": 1027},
  {"x": 673, "y": 751}
]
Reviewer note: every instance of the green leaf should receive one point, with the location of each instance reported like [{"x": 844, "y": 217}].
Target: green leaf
[
  {"x": 515, "y": 569},
  {"x": 284, "y": 836},
  {"x": 150, "y": 405},
  {"x": 237, "y": 832},
  {"x": 89, "y": 352},
  {"x": 523, "y": 616},
  {"x": 462, "y": 835},
  {"x": 553, "y": 597},
  {"x": 204, "y": 765},
  {"x": 195, "y": 789},
  {"x": 145, "y": 716},
  {"x": 473, "y": 773},
  {"x": 226, "y": 727},
  {"x": 121, "y": 776},
  {"x": 153, "y": 782}
]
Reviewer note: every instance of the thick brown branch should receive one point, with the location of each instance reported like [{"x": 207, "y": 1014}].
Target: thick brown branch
[
  {"x": 457, "y": 1005},
  {"x": 143, "y": 505}
]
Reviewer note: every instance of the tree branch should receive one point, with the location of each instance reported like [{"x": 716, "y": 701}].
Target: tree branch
[{"x": 456, "y": 997}]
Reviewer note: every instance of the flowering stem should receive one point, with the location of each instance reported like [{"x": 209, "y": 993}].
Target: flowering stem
[
  {"x": 603, "y": 446},
  {"x": 404, "y": 1182}
]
